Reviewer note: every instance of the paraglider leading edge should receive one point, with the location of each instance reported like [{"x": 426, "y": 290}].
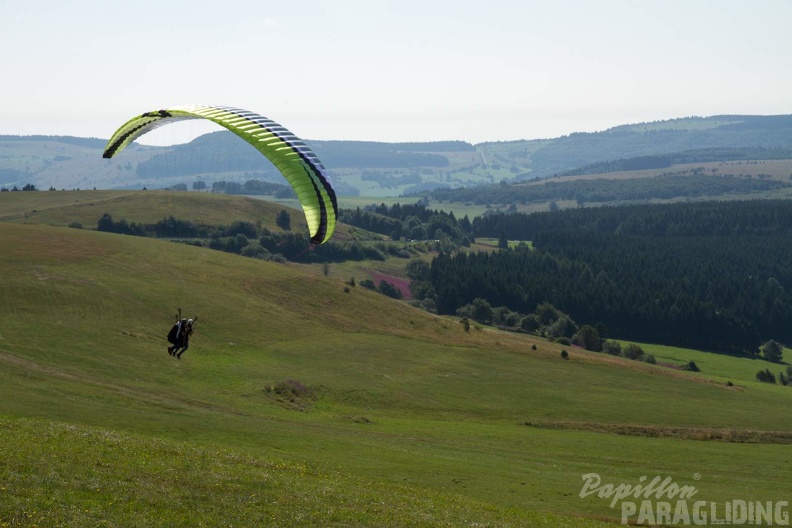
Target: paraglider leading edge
[{"x": 296, "y": 162}]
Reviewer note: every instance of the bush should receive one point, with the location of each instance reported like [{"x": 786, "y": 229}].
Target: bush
[
  {"x": 248, "y": 229},
  {"x": 386, "y": 288},
  {"x": 283, "y": 220},
  {"x": 612, "y": 347},
  {"x": 529, "y": 324},
  {"x": 632, "y": 351},
  {"x": 773, "y": 351},
  {"x": 479, "y": 310},
  {"x": 766, "y": 376},
  {"x": 106, "y": 223},
  {"x": 254, "y": 250},
  {"x": 564, "y": 326},
  {"x": 503, "y": 316},
  {"x": 588, "y": 337},
  {"x": 692, "y": 367}
]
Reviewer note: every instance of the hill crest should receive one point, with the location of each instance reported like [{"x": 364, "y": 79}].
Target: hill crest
[{"x": 374, "y": 168}]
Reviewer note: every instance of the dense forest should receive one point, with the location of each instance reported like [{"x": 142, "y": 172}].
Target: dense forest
[
  {"x": 709, "y": 275},
  {"x": 409, "y": 221}
]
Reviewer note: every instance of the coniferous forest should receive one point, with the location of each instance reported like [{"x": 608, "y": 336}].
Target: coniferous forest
[{"x": 712, "y": 275}]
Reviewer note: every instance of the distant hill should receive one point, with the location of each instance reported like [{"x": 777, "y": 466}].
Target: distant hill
[
  {"x": 367, "y": 168},
  {"x": 662, "y": 161},
  {"x": 646, "y": 139}
]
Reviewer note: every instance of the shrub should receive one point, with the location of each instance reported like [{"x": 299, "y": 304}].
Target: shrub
[
  {"x": 766, "y": 376},
  {"x": 773, "y": 351},
  {"x": 254, "y": 250},
  {"x": 588, "y": 337},
  {"x": 248, "y": 229},
  {"x": 564, "y": 326},
  {"x": 632, "y": 351},
  {"x": 429, "y": 305},
  {"x": 479, "y": 310},
  {"x": 283, "y": 220},
  {"x": 386, "y": 288},
  {"x": 612, "y": 347},
  {"x": 529, "y": 324},
  {"x": 692, "y": 367},
  {"x": 502, "y": 316}
]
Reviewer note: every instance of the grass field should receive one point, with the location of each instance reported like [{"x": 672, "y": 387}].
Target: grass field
[
  {"x": 61, "y": 208},
  {"x": 718, "y": 367},
  {"x": 393, "y": 417}
]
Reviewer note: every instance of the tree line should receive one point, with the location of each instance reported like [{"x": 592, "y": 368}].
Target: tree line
[
  {"x": 252, "y": 240},
  {"x": 685, "y": 184},
  {"x": 711, "y": 275},
  {"x": 688, "y": 156},
  {"x": 410, "y": 221}
]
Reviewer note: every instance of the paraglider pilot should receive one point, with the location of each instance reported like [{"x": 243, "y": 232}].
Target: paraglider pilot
[{"x": 179, "y": 337}]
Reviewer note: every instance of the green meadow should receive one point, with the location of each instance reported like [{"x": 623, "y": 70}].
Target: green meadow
[{"x": 305, "y": 402}]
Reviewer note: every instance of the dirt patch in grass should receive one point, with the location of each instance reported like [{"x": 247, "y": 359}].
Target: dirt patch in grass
[
  {"x": 292, "y": 394},
  {"x": 745, "y": 436}
]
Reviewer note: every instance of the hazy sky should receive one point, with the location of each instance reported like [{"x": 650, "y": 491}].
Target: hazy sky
[{"x": 393, "y": 70}]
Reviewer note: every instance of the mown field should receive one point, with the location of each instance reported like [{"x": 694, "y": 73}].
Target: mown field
[{"x": 300, "y": 403}]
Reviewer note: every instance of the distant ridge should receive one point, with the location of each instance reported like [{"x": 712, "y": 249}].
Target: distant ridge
[{"x": 374, "y": 168}]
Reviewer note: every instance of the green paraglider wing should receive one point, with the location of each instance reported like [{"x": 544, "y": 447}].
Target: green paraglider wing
[{"x": 298, "y": 164}]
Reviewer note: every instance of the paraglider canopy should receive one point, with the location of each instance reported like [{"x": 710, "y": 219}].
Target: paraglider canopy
[{"x": 296, "y": 162}]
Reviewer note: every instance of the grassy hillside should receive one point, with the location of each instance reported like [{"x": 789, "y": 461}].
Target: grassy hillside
[
  {"x": 86, "y": 207},
  {"x": 62, "y": 208},
  {"x": 393, "y": 416}
]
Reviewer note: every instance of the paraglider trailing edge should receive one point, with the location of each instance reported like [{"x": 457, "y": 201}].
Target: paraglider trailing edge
[{"x": 295, "y": 161}]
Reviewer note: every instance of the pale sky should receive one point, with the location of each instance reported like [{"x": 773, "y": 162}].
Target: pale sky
[{"x": 393, "y": 70}]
